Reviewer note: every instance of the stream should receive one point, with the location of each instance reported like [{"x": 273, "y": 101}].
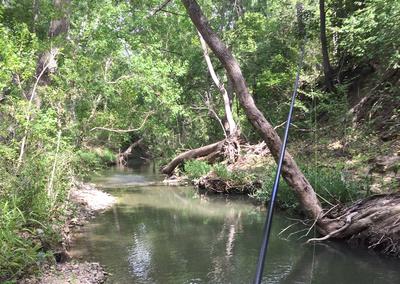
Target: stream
[{"x": 170, "y": 234}]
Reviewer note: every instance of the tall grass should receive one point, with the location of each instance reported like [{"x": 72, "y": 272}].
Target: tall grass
[
  {"x": 330, "y": 185},
  {"x": 16, "y": 252},
  {"x": 32, "y": 206}
]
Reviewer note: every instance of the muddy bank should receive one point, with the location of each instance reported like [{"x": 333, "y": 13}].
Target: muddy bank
[{"x": 88, "y": 201}]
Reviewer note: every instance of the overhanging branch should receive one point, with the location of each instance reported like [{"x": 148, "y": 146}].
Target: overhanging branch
[{"x": 124, "y": 130}]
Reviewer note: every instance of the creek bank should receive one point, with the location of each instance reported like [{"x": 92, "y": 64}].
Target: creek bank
[
  {"x": 88, "y": 202},
  {"x": 369, "y": 216},
  {"x": 241, "y": 175}
]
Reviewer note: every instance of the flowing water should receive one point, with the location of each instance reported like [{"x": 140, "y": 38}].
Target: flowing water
[{"x": 165, "y": 234}]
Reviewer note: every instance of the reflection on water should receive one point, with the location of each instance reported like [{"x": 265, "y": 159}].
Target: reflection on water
[{"x": 160, "y": 234}]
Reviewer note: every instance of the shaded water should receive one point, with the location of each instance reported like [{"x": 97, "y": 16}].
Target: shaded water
[{"x": 164, "y": 234}]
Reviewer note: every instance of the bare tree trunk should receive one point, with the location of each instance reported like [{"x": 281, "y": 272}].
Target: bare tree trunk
[
  {"x": 57, "y": 27},
  {"x": 228, "y": 111},
  {"x": 191, "y": 154},
  {"x": 328, "y": 72},
  {"x": 290, "y": 171},
  {"x": 61, "y": 25}
]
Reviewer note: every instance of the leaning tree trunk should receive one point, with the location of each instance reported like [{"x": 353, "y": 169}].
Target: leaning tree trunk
[
  {"x": 290, "y": 171},
  {"x": 374, "y": 221},
  {"x": 121, "y": 159}
]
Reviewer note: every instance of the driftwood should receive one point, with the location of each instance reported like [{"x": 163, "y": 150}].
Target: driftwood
[{"x": 228, "y": 148}]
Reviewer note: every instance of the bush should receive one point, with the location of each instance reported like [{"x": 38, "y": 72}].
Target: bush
[
  {"x": 195, "y": 169},
  {"x": 222, "y": 172}
]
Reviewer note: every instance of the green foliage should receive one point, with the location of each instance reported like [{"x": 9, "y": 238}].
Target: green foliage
[
  {"x": 195, "y": 169},
  {"x": 372, "y": 32},
  {"x": 331, "y": 186},
  {"x": 286, "y": 197},
  {"x": 221, "y": 171},
  {"x": 16, "y": 253},
  {"x": 123, "y": 75}
]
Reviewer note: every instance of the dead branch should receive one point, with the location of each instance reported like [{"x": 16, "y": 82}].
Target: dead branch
[
  {"x": 210, "y": 107},
  {"x": 220, "y": 86},
  {"x": 124, "y": 130},
  {"x": 287, "y": 228}
]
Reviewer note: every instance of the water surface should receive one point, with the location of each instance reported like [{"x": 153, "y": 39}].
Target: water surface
[{"x": 164, "y": 234}]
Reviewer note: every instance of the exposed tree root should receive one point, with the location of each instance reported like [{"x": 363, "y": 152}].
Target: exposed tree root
[{"x": 373, "y": 222}]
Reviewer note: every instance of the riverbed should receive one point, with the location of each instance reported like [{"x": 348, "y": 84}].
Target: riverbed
[{"x": 171, "y": 234}]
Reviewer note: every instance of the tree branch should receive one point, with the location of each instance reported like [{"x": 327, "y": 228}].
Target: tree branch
[
  {"x": 124, "y": 130},
  {"x": 160, "y": 8},
  {"x": 220, "y": 86}
]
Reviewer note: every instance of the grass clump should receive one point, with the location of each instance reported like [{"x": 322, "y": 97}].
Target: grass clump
[
  {"x": 331, "y": 186},
  {"x": 16, "y": 253},
  {"x": 195, "y": 169}
]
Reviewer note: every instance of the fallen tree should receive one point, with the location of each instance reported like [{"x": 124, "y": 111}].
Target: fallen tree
[
  {"x": 204, "y": 151},
  {"x": 373, "y": 222},
  {"x": 122, "y": 157}
]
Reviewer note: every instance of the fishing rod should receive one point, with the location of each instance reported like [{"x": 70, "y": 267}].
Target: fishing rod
[{"x": 271, "y": 203}]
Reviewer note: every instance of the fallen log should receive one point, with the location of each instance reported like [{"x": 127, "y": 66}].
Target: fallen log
[
  {"x": 122, "y": 157},
  {"x": 192, "y": 154}
]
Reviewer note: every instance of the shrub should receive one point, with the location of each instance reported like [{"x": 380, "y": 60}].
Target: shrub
[{"x": 195, "y": 169}]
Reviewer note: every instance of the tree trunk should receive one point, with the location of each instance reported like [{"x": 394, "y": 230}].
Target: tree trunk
[
  {"x": 47, "y": 62},
  {"x": 373, "y": 222},
  {"x": 192, "y": 154},
  {"x": 328, "y": 72},
  {"x": 61, "y": 25},
  {"x": 290, "y": 171},
  {"x": 35, "y": 10},
  {"x": 227, "y": 105}
]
